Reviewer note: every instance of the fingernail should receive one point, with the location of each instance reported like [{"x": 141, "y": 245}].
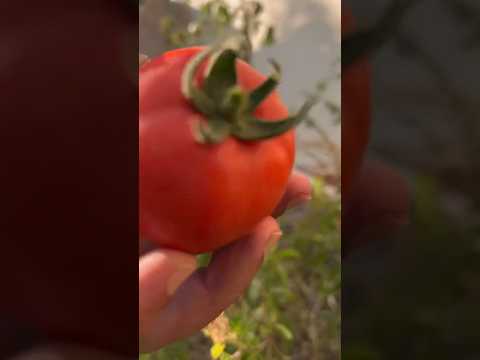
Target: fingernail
[
  {"x": 272, "y": 241},
  {"x": 299, "y": 201},
  {"x": 178, "y": 278}
]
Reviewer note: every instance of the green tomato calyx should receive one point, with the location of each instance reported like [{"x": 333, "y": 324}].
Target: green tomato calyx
[{"x": 229, "y": 109}]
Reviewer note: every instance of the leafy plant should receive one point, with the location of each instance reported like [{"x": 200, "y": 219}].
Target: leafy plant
[
  {"x": 292, "y": 307},
  {"x": 216, "y": 19}
]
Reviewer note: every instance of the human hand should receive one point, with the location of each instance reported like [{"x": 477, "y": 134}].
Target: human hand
[{"x": 176, "y": 299}]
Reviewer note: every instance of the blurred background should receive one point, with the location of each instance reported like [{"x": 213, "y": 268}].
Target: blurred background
[
  {"x": 415, "y": 294},
  {"x": 292, "y": 309}
]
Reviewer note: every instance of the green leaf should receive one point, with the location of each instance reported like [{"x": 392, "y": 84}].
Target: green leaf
[
  {"x": 255, "y": 290},
  {"x": 269, "y": 39},
  {"x": 288, "y": 254},
  {"x": 230, "y": 348},
  {"x": 206, "y": 8},
  {"x": 225, "y": 356},
  {"x": 166, "y": 24},
  {"x": 318, "y": 186},
  {"x": 204, "y": 259},
  {"x": 284, "y": 331},
  {"x": 332, "y": 107},
  {"x": 178, "y": 38},
  {"x": 223, "y": 15}
]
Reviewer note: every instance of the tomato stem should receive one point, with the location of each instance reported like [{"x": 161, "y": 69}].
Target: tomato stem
[{"x": 229, "y": 109}]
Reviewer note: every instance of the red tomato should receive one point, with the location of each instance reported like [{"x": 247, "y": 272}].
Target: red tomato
[
  {"x": 198, "y": 197},
  {"x": 356, "y": 113}
]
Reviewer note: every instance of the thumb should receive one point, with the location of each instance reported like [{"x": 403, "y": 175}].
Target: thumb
[{"x": 161, "y": 272}]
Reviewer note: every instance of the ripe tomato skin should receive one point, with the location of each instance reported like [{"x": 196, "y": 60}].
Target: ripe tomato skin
[
  {"x": 195, "y": 197},
  {"x": 356, "y": 113}
]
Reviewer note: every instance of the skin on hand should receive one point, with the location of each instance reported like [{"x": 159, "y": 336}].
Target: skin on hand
[{"x": 176, "y": 299}]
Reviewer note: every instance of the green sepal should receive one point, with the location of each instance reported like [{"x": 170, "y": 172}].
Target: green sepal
[
  {"x": 253, "y": 129},
  {"x": 213, "y": 132},
  {"x": 235, "y": 104},
  {"x": 227, "y": 108},
  {"x": 191, "y": 92},
  {"x": 258, "y": 95},
  {"x": 222, "y": 75}
]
